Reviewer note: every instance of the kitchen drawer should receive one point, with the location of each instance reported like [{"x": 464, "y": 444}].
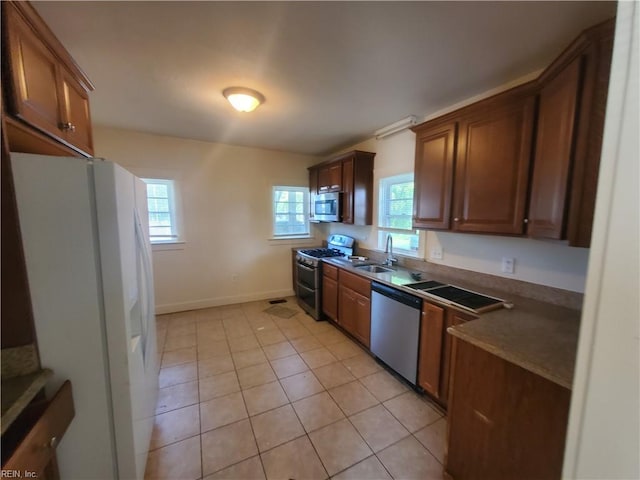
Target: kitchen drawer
[
  {"x": 355, "y": 283},
  {"x": 330, "y": 271},
  {"x": 37, "y": 449}
]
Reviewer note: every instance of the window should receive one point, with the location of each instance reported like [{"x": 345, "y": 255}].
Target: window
[
  {"x": 162, "y": 210},
  {"x": 395, "y": 211},
  {"x": 290, "y": 211}
]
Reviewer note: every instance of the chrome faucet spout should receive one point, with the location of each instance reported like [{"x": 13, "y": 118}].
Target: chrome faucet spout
[{"x": 389, "y": 251}]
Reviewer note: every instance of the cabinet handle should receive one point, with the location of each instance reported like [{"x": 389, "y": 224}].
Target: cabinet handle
[
  {"x": 456, "y": 219},
  {"x": 526, "y": 220},
  {"x": 68, "y": 127},
  {"x": 53, "y": 443},
  {"x": 335, "y": 186}
]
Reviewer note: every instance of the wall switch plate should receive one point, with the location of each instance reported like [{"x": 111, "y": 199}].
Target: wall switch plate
[
  {"x": 436, "y": 253},
  {"x": 508, "y": 264}
]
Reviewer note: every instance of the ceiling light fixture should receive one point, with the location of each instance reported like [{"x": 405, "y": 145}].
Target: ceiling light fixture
[
  {"x": 243, "y": 99},
  {"x": 396, "y": 127}
]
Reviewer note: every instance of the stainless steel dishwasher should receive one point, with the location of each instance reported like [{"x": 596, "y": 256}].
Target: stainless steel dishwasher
[{"x": 395, "y": 329}]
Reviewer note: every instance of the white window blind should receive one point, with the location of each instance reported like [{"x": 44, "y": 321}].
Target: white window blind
[
  {"x": 290, "y": 211},
  {"x": 162, "y": 210}
]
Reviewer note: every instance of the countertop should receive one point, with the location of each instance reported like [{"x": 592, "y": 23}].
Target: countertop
[
  {"x": 539, "y": 337},
  {"x": 17, "y": 393}
]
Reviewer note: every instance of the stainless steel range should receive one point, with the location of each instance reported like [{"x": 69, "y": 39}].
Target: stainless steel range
[{"x": 309, "y": 272}]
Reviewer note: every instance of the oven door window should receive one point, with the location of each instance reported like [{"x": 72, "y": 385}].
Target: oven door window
[
  {"x": 307, "y": 276},
  {"x": 307, "y": 295}
]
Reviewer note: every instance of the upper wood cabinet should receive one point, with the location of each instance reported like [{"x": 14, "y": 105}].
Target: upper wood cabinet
[
  {"x": 492, "y": 168},
  {"x": 330, "y": 178},
  {"x": 355, "y": 170},
  {"x": 435, "y": 155},
  {"x": 573, "y": 94},
  {"x": 484, "y": 177},
  {"x": 554, "y": 149},
  {"x": 472, "y": 166},
  {"x": 46, "y": 89}
]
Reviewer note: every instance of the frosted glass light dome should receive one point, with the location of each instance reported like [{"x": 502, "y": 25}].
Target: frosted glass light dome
[{"x": 243, "y": 99}]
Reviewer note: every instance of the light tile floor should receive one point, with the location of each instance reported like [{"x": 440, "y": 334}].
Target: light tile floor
[{"x": 248, "y": 395}]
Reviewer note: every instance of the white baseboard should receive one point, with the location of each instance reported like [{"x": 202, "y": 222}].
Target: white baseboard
[{"x": 217, "y": 302}]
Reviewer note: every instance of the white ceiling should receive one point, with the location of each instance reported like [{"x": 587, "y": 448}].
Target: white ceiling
[{"x": 331, "y": 72}]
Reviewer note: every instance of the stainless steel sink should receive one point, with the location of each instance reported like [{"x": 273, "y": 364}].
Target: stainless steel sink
[{"x": 374, "y": 268}]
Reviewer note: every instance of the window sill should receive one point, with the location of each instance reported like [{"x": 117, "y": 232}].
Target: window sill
[
  {"x": 293, "y": 240},
  {"x": 403, "y": 253},
  {"x": 162, "y": 246}
]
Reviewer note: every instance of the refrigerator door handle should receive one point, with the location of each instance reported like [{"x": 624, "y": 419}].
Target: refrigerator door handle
[{"x": 146, "y": 267}]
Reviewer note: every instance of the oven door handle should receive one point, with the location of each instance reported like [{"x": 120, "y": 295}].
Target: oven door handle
[
  {"x": 308, "y": 269},
  {"x": 305, "y": 287}
]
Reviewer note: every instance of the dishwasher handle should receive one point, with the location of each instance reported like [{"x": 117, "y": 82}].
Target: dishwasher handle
[{"x": 398, "y": 295}]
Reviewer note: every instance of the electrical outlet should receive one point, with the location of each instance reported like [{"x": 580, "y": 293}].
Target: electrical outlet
[
  {"x": 508, "y": 264},
  {"x": 436, "y": 253}
]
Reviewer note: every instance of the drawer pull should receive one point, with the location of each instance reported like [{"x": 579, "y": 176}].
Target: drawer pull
[
  {"x": 53, "y": 443},
  {"x": 483, "y": 418}
]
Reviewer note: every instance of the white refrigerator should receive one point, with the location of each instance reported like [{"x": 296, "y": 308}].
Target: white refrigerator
[{"x": 84, "y": 226}]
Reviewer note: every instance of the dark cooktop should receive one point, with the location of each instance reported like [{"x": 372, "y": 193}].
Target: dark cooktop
[
  {"x": 468, "y": 299},
  {"x": 322, "y": 252},
  {"x": 457, "y": 296}
]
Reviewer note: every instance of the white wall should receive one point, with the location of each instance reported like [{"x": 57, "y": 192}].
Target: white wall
[
  {"x": 603, "y": 438},
  {"x": 225, "y": 193},
  {"x": 546, "y": 263}
]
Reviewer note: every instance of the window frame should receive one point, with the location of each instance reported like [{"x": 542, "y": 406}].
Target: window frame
[
  {"x": 305, "y": 206},
  {"x": 175, "y": 236},
  {"x": 384, "y": 187}
]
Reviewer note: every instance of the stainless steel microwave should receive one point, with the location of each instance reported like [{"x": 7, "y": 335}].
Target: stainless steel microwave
[{"x": 327, "y": 207}]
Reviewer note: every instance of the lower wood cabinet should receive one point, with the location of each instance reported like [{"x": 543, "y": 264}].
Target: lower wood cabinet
[
  {"x": 436, "y": 349},
  {"x": 354, "y": 306},
  {"x": 330, "y": 292},
  {"x": 30, "y": 444},
  {"x": 432, "y": 329},
  {"x": 453, "y": 318},
  {"x": 504, "y": 422}
]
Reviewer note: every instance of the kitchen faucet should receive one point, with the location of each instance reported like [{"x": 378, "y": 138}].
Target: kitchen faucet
[{"x": 389, "y": 251}]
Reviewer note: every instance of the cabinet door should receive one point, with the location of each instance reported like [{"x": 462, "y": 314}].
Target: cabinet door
[
  {"x": 453, "y": 318},
  {"x": 347, "y": 190},
  {"x": 504, "y": 421},
  {"x": 330, "y": 297},
  {"x": 330, "y": 178},
  {"x": 34, "y": 72},
  {"x": 431, "y": 337},
  {"x": 362, "y": 327},
  {"x": 435, "y": 153},
  {"x": 76, "y": 119},
  {"x": 554, "y": 154},
  {"x": 348, "y": 309},
  {"x": 492, "y": 168},
  {"x": 335, "y": 177}
]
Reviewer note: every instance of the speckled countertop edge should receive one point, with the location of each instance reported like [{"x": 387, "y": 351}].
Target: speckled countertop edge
[
  {"x": 17, "y": 393},
  {"x": 537, "y": 336}
]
